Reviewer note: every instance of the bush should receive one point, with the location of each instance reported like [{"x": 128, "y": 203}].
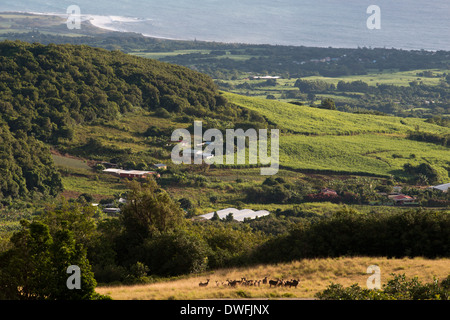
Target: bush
[
  {"x": 398, "y": 288},
  {"x": 162, "y": 113}
]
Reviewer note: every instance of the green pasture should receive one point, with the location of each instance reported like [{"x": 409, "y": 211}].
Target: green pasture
[
  {"x": 70, "y": 163},
  {"x": 159, "y": 55},
  {"x": 366, "y": 153},
  {"x": 326, "y": 140},
  {"x": 94, "y": 185},
  {"x": 398, "y": 78},
  {"x": 314, "y": 121}
]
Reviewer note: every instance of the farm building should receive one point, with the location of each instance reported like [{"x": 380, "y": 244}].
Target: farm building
[
  {"x": 442, "y": 187},
  {"x": 328, "y": 192},
  {"x": 112, "y": 170},
  {"x": 111, "y": 210},
  {"x": 161, "y": 166},
  {"x": 132, "y": 173},
  {"x": 199, "y": 153},
  {"x": 238, "y": 215},
  {"x": 264, "y": 77},
  {"x": 136, "y": 174},
  {"x": 402, "y": 199}
]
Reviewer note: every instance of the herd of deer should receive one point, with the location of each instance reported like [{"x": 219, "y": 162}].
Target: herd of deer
[{"x": 245, "y": 282}]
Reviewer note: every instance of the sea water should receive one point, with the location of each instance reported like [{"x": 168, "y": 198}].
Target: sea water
[{"x": 405, "y": 24}]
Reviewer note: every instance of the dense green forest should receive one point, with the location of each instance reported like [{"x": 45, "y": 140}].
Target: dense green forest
[
  {"x": 47, "y": 89},
  {"x": 26, "y": 168}
]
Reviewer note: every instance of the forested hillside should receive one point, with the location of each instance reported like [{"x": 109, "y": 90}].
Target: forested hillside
[
  {"x": 45, "y": 91},
  {"x": 26, "y": 167}
]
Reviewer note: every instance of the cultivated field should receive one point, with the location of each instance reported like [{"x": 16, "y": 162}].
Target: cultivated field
[
  {"x": 367, "y": 153},
  {"x": 314, "y": 275},
  {"x": 398, "y": 78},
  {"x": 285, "y": 86},
  {"x": 313, "y": 121},
  {"x": 336, "y": 141}
]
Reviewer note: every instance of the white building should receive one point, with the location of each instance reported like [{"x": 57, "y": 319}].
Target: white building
[
  {"x": 442, "y": 187},
  {"x": 238, "y": 215}
]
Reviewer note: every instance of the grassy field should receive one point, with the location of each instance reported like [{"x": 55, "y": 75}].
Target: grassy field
[
  {"x": 343, "y": 142},
  {"x": 366, "y": 153},
  {"x": 285, "y": 89},
  {"x": 314, "y": 121},
  {"x": 69, "y": 163},
  {"x": 397, "y": 78},
  {"x": 314, "y": 275},
  {"x": 78, "y": 177},
  {"x": 159, "y": 55},
  {"x": 97, "y": 187}
]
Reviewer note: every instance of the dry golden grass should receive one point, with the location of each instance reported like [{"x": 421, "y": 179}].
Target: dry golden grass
[{"x": 314, "y": 274}]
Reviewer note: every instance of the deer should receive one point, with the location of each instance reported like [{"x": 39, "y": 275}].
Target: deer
[
  {"x": 294, "y": 283},
  {"x": 273, "y": 283},
  {"x": 232, "y": 283},
  {"x": 204, "y": 284}
]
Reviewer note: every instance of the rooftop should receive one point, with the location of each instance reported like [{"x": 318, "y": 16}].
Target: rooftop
[
  {"x": 238, "y": 215},
  {"x": 443, "y": 187}
]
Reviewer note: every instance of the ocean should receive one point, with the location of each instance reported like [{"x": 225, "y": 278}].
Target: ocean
[{"x": 404, "y": 24}]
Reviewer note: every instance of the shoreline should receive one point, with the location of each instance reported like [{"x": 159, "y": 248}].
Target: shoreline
[
  {"x": 104, "y": 23},
  {"x": 100, "y": 22}
]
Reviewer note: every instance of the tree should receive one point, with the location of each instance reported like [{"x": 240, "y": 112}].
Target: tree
[
  {"x": 150, "y": 210},
  {"x": 424, "y": 172},
  {"x": 25, "y": 267},
  {"x": 35, "y": 268},
  {"x": 229, "y": 217},
  {"x": 328, "y": 103},
  {"x": 175, "y": 253},
  {"x": 215, "y": 216}
]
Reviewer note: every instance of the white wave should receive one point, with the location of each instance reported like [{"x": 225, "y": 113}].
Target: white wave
[{"x": 111, "y": 23}]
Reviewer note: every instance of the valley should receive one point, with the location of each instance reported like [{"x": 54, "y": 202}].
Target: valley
[{"x": 360, "y": 149}]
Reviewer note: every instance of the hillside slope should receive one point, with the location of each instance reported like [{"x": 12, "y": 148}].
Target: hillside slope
[
  {"x": 47, "y": 89},
  {"x": 314, "y": 275},
  {"x": 26, "y": 168},
  {"x": 331, "y": 141},
  {"x": 47, "y": 92},
  {"x": 314, "y": 121},
  {"x": 110, "y": 106}
]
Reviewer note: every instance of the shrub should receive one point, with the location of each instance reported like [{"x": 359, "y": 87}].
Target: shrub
[{"x": 397, "y": 288}]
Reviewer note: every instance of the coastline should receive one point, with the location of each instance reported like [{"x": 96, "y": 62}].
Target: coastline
[
  {"x": 104, "y": 23},
  {"x": 113, "y": 23}
]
